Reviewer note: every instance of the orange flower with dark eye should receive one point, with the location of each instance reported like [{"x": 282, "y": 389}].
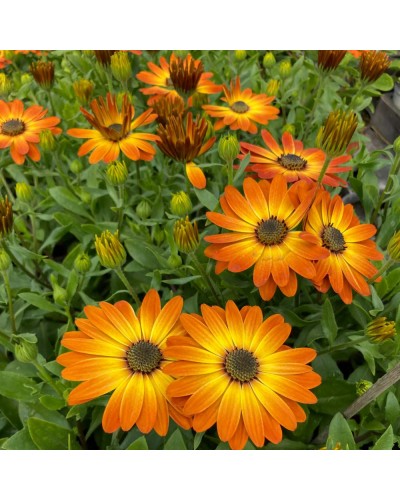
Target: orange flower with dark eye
[
  {"x": 114, "y": 131},
  {"x": 349, "y": 244}
]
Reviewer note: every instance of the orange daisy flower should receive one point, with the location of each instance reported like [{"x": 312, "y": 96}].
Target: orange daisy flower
[
  {"x": 113, "y": 131},
  {"x": 349, "y": 245},
  {"x": 244, "y": 111},
  {"x": 357, "y": 53},
  {"x": 262, "y": 224},
  {"x": 159, "y": 77},
  {"x": 115, "y": 350},
  {"x": 292, "y": 161},
  {"x": 20, "y": 129},
  {"x": 234, "y": 371}
]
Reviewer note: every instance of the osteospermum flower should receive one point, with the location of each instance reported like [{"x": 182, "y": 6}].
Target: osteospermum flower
[
  {"x": 244, "y": 109},
  {"x": 349, "y": 245},
  {"x": 292, "y": 161},
  {"x": 234, "y": 370},
  {"x": 188, "y": 76},
  {"x": 114, "y": 131},
  {"x": 262, "y": 224},
  {"x": 20, "y": 129},
  {"x": 115, "y": 350}
]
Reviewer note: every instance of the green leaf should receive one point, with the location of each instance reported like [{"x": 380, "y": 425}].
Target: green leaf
[
  {"x": 384, "y": 83},
  {"x": 206, "y": 198},
  {"x": 329, "y": 326},
  {"x": 52, "y": 403},
  {"x": 243, "y": 164},
  {"x": 39, "y": 301},
  {"x": 197, "y": 439},
  {"x": 181, "y": 281},
  {"x": 49, "y": 436},
  {"x": 9, "y": 408},
  {"x": 69, "y": 201},
  {"x": 392, "y": 408},
  {"x": 386, "y": 441},
  {"x": 139, "y": 444},
  {"x": 138, "y": 251},
  {"x": 334, "y": 395},
  {"x": 21, "y": 440},
  {"x": 72, "y": 284},
  {"x": 175, "y": 442},
  {"x": 339, "y": 432},
  {"x": 15, "y": 386}
]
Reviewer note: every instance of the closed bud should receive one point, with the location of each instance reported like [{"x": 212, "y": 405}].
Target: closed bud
[
  {"x": 186, "y": 235},
  {"x": 394, "y": 247},
  {"x": 240, "y": 55},
  {"x": 60, "y": 295},
  {"x": 83, "y": 90},
  {"x": 336, "y": 134},
  {"x": 6, "y": 217},
  {"x": 5, "y": 85},
  {"x": 25, "y": 351},
  {"x": 26, "y": 78},
  {"x": 373, "y": 64},
  {"x": 85, "y": 196},
  {"x": 396, "y": 145},
  {"x": 5, "y": 261},
  {"x": 158, "y": 235},
  {"x": 330, "y": 59},
  {"x": 285, "y": 67},
  {"x": 47, "y": 141},
  {"x": 117, "y": 173},
  {"x": 104, "y": 56},
  {"x": 43, "y": 73},
  {"x": 272, "y": 87},
  {"x": 24, "y": 192},
  {"x": 180, "y": 204},
  {"x": 362, "y": 386},
  {"x": 109, "y": 249},
  {"x": 269, "y": 60},
  {"x": 289, "y": 127},
  {"x": 144, "y": 210},
  {"x": 380, "y": 329},
  {"x": 76, "y": 167},
  {"x": 228, "y": 148},
  {"x": 174, "y": 261},
  {"x": 121, "y": 66},
  {"x": 82, "y": 263}
]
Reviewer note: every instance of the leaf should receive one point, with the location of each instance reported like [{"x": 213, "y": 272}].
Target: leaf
[
  {"x": 206, "y": 198},
  {"x": 333, "y": 396},
  {"x": 384, "y": 83},
  {"x": 139, "y": 444},
  {"x": 181, "y": 281},
  {"x": 39, "y": 301},
  {"x": 197, "y": 439},
  {"x": 386, "y": 441},
  {"x": 138, "y": 251},
  {"x": 49, "y": 436},
  {"x": 243, "y": 164},
  {"x": 340, "y": 433},
  {"x": 52, "y": 403},
  {"x": 392, "y": 408},
  {"x": 175, "y": 442},
  {"x": 69, "y": 201},
  {"x": 21, "y": 440},
  {"x": 329, "y": 326},
  {"x": 15, "y": 386},
  {"x": 9, "y": 408},
  {"x": 72, "y": 284}
]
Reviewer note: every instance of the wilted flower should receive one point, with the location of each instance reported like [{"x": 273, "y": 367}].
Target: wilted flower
[
  {"x": 330, "y": 59},
  {"x": 104, "y": 56},
  {"x": 167, "y": 106},
  {"x": 380, "y": 329},
  {"x": 186, "y": 235},
  {"x": 43, "y": 73},
  {"x": 109, "y": 249},
  {"x": 336, "y": 134}
]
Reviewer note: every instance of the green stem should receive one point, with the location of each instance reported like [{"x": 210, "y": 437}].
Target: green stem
[
  {"x": 339, "y": 347},
  {"x": 32, "y": 217},
  {"x": 52, "y": 108},
  {"x": 47, "y": 378},
  {"x": 360, "y": 90},
  {"x": 318, "y": 96},
  {"x": 138, "y": 175},
  {"x": 109, "y": 81},
  {"x": 207, "y": 280},
  {"x": 386, "y": 266},
  {"x": 393, "y": 171},
  {"x": 5, "y": 340},
  {"x": 229, "y": 166},
  {"x": 6, "y": 187},
  {"x": 10, "y": 302},
  {"x": 121, "y": 194},
  {"x": 125, "y": 281},
  {"x": 323, "y": 170}
]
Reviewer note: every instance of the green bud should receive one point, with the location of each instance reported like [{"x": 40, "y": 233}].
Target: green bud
[
  {"x": 82, "y": 263},
  {"x": 143, "y": 210},
  {"x": 272, "y": 87},
  {"x": 158, "y": 234},
  {"x": 396, "y": 145},
  {"x": 5, "y": 84},
  {"x": 5, "y": 261},
  {"x": 269, "y": 60},
  {"x": 362, "y": 387},
  {"x": 180, "y": 204},
  {"x": 26, "y": 78},
  {"x": 174, "y": 261},
  {"x": 24, "y": 192},
  {"x": 394, "y": 247},
  {"x": 285, "y": 68},
  {"x": 85, "y": 196},
  {"x": 60, "y": 295},
  {"x": 47, "y": 141},
  {"x": 25, "y": 351},
  {"x": 109, "y": 249},
  {"x": 240, "y": 55},
  {"x": 117, "y": 173},
  {"x": 120, "y": 66},
  {"x": 228, "y": 148},
  {"x": 76, "y": 167},
  {"x": 289, "y": 127}
]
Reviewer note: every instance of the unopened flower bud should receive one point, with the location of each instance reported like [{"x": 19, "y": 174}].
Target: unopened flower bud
[
  {"x": 394, "y": 247},
  {"x": 24, "y": 192},
  {"x": 25, "y": 351},
  {"x": 336, "y": 134},
  {"x": 174, "y": 261},
  {"x": 380, "y": 329},
  {"x": 396, "y": 145},
  {"x": 362, "y": 386},
  {"x": 144, "y": 210},
  {"x": 43, "y": 73},
  {"x": 240, "y": 55},
  {"x": 60, "y": 295},
  {"x": 5, "y": 85},
  {"x": 272, "y": 87},
  {"x": 285, "y": 67},
  {"x": 109, "y": 249},
  {"x": 117, "y": 173},
  {"x": 121, "y": 66},
  {"x": 6, "y": 217},
  {"x": 82, "y": 263},
  {"x": 83, "y": 90},
  {"x": 85, "y": 196},
  {"x": 47, "y": 141},
  {"x": 180, "y": 204},
  {"x": 269, "y": 60},
  {"x": 158, "y": 234},
  {"x": 5, "y": 261},
  {"x": 228, "y": 148},
  {"x": 289, "y": 127},
  {"x": 26, "y": 78},
  {"x": 186, "y": 235},
  {"x": 76, "y": 167}
]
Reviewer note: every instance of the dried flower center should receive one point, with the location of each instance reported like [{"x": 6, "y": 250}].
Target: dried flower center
[
  {"x": 271, "y": 231},
  {"x": 292, "y": 162},
  {"x": 239, "y": 107},
  {"x": 144, "y": 356},
  {"x": 241, "y": 365},
  {"x": 12, "y": 127},
  {"x": 333, "y": 239}
]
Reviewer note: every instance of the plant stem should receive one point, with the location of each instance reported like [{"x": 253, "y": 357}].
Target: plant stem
[
  {"x": 229, "y": 166},
  {"x": 121, "y": 194},
  {"x": 138, "y": 176},
  {"x": 360, "y": 90},
  {"x": 6, "y": 187},
  {"x": 339, "y": 347},
  {"x": 318, "y": 96},
  {"x": 10, "y": 302},
  {"x": 386, "y": 266},
  {"x": 207, "y": 280},
  {"x": 323, "y": 170},
  {"x": 125, "y": 281},
  {"x": 5, "y": 340},
  {"x": 47, "y": 378},
  {"x": 393, "y": 171}
]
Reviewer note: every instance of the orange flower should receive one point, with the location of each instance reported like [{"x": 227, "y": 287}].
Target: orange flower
[
  {"x": 234, "y": 371},
  {"x": 114, "y": 131},
  {"x": 348, "y": 242},
  {"x": 159, "y": 77},
  {"x": 262, "y": 222},
  {"x": 357, "y": 53},
  {"x": 244, "y": 111},
  {"x": 20, "y": 129},
  {"x": 115, "y": 350},
  {"x": 292, "y": 161}
]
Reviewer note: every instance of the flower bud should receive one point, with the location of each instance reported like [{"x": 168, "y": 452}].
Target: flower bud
[
  {"x": 373, "y": 64},
  {"x": 174, "y": 261},
  {"x": 25, "y": 351},
  {"x": 85, "y": 196},
  {"x": 330, "y": 59},
  {"x": 396, "y": 145},
  {"x": 117, "y": 173},
  {"x": 76, "y": 167},
  {"x": 186, "y": 235},
  {"x": 47, "y": 141},
  {"x": 6, "y": 217},
  {"x": 60, "y": 295},
  {"x": 24, "y": 192},
  {"x": 240, "y": 55},
  {"x": 43, "y": 73},
  {"x": 83, "y": 90},
  {"x": 180, "y": 204},
  {"x": 121, "y": 66},
  {"x": 380, "y": 329},
  {"x": 158, "y": 234},
  {"x": 289, "y": 127},
  {"x": 228, "y": 148},
  {"x": 5, "y": 85},
  {"x": 104, "y": 56},
  {"x": 26, "y": 78},
  {"x": 285, "y": 67},
  {"x": 394, "y": 247},
  {"x": 144, "y": 210},
  {"x": 272, "y": 87},
  {"x": 5, "y": 261},
  {"x": 82, "y": 263},
  {"x": 269, "y": 60},
  {"x": 362, "y": 386},
  {"x": 109, "y": 249},
  {"x": 336, "y": 134}
]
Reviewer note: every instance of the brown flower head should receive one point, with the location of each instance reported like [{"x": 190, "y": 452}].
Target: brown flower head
[
  {"x": 6, "y": 217},
  {"x": 104, "y": 56},
  {"x": 330, "y": 59},
  {"x": 43, "y": 73},
  {"x": 167, "y": 106},
  {"x": 373, "y": 64},
  {"x": 185, "y": 74}
]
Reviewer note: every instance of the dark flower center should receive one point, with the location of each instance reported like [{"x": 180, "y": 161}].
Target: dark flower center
[
  {"x": 12, "y": 127},
  {"x": 292, "y": 162},
  {"x": 271, "y": 231},
  {"x": 333, "y": 239},
  {"x": 144, "y": 357},
  {"x": 241, "y": 365},
  {"x": 239, "y": 107}
]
